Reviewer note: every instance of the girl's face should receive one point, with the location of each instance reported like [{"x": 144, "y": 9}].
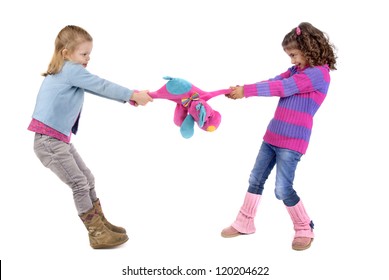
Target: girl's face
[
  {"x": 297, "y": 58},
  {"x": 81, "y": 54}
]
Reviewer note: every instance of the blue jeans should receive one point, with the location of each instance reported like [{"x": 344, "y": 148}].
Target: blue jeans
[{"x": 286, "y": 161}]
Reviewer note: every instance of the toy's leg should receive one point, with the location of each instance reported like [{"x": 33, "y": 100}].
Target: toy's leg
[
  {"x": 180, "y": 114},
  {"x": 187, "y": 127},
  {"x": 212, "y": 122}
]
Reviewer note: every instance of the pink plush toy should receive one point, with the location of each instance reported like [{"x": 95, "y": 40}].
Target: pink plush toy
[{"x": 191, "y": 105}]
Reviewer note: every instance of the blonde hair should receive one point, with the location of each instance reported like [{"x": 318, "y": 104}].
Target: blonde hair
[{"x": 68, "y": 38}]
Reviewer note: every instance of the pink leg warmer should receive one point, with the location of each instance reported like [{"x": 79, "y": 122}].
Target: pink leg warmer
[
  {"x": 301, "y": 221},
  {"x": 244, "y": 222}
]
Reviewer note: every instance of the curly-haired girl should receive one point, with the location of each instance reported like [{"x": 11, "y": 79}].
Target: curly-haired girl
[{"x": 301, "y": 89}]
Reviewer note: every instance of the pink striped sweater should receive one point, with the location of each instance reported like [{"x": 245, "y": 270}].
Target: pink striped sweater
[{"x": 301, "y": 93}]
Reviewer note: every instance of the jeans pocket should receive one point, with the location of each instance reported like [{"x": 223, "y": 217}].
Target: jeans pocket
[{"x": 43, "y": 149}]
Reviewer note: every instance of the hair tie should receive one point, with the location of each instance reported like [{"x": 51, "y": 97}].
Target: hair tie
[{"x": 298, "y": 31}]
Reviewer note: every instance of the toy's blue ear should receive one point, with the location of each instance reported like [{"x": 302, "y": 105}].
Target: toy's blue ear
[
  {"x": 202, "y": 114},
  {"x": 187, "y": 127},
  {"x": 177, "y": 86}
]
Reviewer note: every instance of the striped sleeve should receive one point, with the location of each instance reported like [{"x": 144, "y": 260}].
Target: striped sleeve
[{"x": 309, "y": 80}]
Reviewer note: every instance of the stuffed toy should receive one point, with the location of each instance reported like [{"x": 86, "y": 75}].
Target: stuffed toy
[{"x": 191, "y": 105}]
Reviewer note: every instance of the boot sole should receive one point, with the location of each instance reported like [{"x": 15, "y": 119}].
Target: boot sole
[
  {"x": 302, "y": 248},
  {"x": 231, "y": 235},
  {"x": 108, "y": 246}
]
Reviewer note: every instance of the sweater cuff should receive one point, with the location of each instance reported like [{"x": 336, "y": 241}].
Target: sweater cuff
[
  {"x": 250, "y": 90},
  {"x": 130, "y": 95}
]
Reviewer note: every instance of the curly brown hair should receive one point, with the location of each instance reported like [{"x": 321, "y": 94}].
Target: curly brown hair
[{"x": 313, "y": 43}]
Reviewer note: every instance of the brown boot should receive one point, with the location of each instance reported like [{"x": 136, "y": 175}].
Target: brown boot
[
  {"x": 110, "y": 226},
  {"x": 244, "y": 223},
  {"x": 100, "y": 236},
  {"x": 303, "y": 227}
]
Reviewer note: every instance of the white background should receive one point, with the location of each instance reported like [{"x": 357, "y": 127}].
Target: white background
[{"x": 175, "y": 195}]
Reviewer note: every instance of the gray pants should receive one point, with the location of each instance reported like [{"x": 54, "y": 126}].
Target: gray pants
[{"x": 66, "y": 163}]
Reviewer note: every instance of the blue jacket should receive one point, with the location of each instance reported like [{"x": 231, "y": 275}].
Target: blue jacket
[{"x": 61, "y": 96}]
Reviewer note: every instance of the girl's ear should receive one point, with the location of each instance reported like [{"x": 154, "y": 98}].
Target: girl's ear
[{"x": 64, "y": 53}]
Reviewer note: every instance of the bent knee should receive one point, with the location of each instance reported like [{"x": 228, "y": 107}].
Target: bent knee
[{"x": 285, "y": 193}]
